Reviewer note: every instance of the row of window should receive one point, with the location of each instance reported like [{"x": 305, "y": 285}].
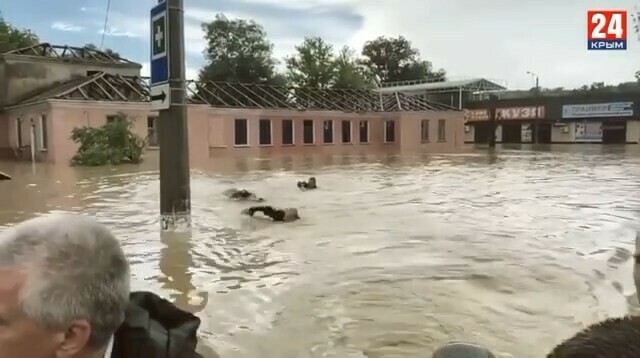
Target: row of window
[
  {"x": 265, "y": 131},
  {"x": 39, "y": 132}
]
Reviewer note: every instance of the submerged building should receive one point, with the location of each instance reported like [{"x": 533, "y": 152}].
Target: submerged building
[{"x": 46, "y": 91}]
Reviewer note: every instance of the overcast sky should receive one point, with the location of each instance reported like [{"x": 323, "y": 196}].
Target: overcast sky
[{"x": 497, "y": 39}]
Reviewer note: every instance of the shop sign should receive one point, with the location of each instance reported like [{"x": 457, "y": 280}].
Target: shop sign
[
  {"x": 597, "y": 110},
  {"x": 510, "y": 113}
]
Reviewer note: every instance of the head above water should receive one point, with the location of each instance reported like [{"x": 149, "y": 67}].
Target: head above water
[
  {"x": 291, "y": 214},
  {"x": 64, "y": 285},
  {"x": 612, "y": 338}
]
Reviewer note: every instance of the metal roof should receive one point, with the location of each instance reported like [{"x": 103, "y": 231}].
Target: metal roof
[
  {"x": 69, "y": 52},
  {"x": 474, "y": 84},
  {"x": 110, "y": 87}
]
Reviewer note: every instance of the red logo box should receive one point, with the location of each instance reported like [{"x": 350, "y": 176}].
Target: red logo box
[{"x": 606, "y": 30}]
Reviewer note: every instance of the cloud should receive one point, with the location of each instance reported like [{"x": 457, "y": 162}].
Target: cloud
[
  {"x": 65, "y": 26},
  {"x": 191, "y": 73},
  {"x": 115, "y": 32}
]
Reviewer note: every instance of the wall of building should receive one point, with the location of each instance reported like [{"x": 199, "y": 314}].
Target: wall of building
[
  {"x": 212, "y": 131},
  {"x": 25, "y": 76}
]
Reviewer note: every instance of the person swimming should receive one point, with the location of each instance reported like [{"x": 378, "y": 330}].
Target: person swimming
[
  {"x": 283, "y": 215},
  {"x": 242, "y": 195},
  {"x": 307, "y": 185}
]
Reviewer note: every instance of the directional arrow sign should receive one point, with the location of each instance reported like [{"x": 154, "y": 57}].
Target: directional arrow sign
[{"x": 160, "y": 97}]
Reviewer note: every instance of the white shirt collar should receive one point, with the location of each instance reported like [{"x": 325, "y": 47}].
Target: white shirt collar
[{"x": 107, "y": 354}]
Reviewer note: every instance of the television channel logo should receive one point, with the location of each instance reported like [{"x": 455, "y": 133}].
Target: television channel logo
[{"x": 606, "y": 30}]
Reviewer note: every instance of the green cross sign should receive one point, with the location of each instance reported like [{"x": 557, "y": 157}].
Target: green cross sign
[{"x": 159, "y": 40}]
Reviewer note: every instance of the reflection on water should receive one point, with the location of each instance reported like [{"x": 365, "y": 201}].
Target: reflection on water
[{"x": 514, "y": 249}]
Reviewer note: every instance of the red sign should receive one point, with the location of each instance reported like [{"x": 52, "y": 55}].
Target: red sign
[{"x": 607, "y": 30}]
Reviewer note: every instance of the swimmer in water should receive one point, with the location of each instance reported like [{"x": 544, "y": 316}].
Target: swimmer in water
[
  {"x": 307, "y": 185},
  {"x": 283, "y": 215},
  {"x": 242, "y": 195}
]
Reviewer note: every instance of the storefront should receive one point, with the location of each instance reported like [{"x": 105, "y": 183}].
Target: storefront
[
  {"x": 607, "y": 123},
  {"x": 513, "y": 125}
]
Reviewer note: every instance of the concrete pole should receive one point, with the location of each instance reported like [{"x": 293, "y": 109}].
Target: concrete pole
[
  {"x": 173, "y": 138},
  {"x": 493, "y": 104}
]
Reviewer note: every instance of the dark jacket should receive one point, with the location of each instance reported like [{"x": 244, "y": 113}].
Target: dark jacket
[{"x": 155, "y": 328}]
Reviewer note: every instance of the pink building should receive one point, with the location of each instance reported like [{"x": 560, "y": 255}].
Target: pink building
[{"x": 55, "y": 93}]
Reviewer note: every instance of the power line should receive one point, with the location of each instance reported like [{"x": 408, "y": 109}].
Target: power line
[{"x": 106, "y": 21}]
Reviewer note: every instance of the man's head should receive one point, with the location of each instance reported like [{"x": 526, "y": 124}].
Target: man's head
[
  {"x": 614, "y": 337},
  {"x": 64, "y": 287}
]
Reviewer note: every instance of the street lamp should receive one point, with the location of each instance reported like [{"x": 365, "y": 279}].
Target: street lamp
[
  {"x": 537, "y": 93},
  {"x": 537, "y": 80}
]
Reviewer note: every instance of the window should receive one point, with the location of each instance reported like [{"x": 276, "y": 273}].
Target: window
[
  {"x": 328, "y": 131},
  {"x": 152, "y": 131},
  {"x": 241, "y": 130},
  {"x": 424, "y": 131},
  {"x": 287, "y": 132},
  {"x": 442, "y": 134},
  {"x": 389, "y": 131},
  {"x": 346, "y": 131},
  {"x": 364, "y": 131},
  {"x": 265, "y": 132},
  {"x": 19, "y": 132},
  {"x": 44, "y": 142},
  {"x": 308, "y": 135}
]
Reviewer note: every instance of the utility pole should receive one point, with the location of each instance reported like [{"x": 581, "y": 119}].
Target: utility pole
[
  {"x": 537, "y": 96},
  {"x": 168, "y": 96},
  {"x": 493, "y": 104}
]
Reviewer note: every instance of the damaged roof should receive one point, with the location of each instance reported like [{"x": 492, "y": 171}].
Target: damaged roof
[
  {"x": 116, "y": 88},
  {"x": 69, "y": 52}
]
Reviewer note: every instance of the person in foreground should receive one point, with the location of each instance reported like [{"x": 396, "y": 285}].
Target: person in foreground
[
  {"x": 284, "y": 215},
  {"x": 307, "y": 185},
  {"x": 242, "y": 194},
  {"x": 64, "y": 293}
]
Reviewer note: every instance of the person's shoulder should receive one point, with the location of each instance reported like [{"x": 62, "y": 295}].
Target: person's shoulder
[{"x": 154, "y": 327}]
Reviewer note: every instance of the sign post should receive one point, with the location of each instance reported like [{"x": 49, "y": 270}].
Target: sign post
[{"x": 168, "y": 95}]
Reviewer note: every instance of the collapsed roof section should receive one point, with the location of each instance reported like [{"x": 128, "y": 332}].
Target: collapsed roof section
[
  {"x": 69, "y": 52},
  {"x": 116, "y": 88}
]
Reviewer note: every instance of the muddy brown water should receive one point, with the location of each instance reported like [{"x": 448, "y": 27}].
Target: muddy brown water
[{"x": 516, "y": 250}]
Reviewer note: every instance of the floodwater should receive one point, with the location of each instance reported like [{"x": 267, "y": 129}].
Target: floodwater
[{"x": 515, "y": 249}]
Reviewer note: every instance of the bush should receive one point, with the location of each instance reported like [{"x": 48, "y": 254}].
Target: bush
[{"x": 113, "y": 143}]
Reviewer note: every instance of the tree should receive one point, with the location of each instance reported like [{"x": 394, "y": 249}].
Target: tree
[
  {"x": 349, "y": 73},
  {"x": 237, "y": 51},
  {"x": 113, "y": 143},
  {"x": 108, "y": 51},
  {"x": 314, "y": 64},
  {"x": 12, "y": 38},
  {"x": 394, "y": 59}
]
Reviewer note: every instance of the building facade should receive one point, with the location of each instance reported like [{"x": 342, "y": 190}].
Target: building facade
[
  {"x": 224, "y": 119},
  {"x": 606, "y": 118}
]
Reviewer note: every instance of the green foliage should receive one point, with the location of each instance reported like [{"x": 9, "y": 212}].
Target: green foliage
[
  {"x": 113, "y": 143},
  {"x": 394, "y": 59},
  {"x": 108, "y": 51},
  {"x": 237, "y": 51},
  {"x": 12, "y": 38},
  {"x": 316, "y": 65}
]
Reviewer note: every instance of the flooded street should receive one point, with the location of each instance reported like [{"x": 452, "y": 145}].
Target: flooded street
[{"x": 515, "y": 250}]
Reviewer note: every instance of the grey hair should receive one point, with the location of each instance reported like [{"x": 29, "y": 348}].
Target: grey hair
[{"x": 75, "y": 269}]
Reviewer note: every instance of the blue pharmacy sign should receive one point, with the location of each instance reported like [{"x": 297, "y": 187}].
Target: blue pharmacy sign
[{"x": 159, "y": 44}]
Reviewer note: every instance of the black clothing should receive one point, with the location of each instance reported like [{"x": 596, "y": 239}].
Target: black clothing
[
  {"x": 306, "y": 185},
  {"x": 241, "y": 194},
  {"x": 275, "y": 214},
  {"x": 155, "y": 328}
]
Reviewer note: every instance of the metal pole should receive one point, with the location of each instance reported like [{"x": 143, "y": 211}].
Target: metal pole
[
  {"x": 460, "y": 98},
  {"x": 537, "y": 109},
  {"x": 173, "y": 138}
]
